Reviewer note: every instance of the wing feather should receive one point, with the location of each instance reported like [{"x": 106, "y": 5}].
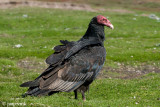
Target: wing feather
[{"x": 73, "y": 73}]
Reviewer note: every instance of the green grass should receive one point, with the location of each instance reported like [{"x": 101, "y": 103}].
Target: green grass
[
  {"x": 141, "y": 92},
  {"x": 132, "y": 41}
]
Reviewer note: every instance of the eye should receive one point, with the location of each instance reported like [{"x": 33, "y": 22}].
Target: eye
[{"x": 104, "y": 20}]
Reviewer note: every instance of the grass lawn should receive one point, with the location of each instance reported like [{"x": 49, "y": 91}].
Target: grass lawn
[{"x": 134, "y": 43}]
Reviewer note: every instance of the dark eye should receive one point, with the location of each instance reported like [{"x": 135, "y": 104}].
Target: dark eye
[{"x": 104, "y": 20}]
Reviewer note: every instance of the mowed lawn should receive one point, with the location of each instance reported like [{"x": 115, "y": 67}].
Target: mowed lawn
[{"x": 27, "y": 36}]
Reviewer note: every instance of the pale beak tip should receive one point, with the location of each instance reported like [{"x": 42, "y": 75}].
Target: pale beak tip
[{"x": 111, "y": 26}]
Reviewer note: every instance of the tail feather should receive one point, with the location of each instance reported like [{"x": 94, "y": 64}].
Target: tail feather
[
  {"x": 41, "y": 93},
  {"x": 38, "y": 92},
  {"x": 30, "y": 92},
  {"x": 33, "y": 91},
  {"x": 30, "y": 84}
]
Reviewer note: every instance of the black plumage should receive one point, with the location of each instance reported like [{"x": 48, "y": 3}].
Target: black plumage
[{"x": 73, "y": 65}]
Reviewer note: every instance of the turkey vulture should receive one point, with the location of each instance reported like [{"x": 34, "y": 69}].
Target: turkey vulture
[{"x": 73, "y": 65}]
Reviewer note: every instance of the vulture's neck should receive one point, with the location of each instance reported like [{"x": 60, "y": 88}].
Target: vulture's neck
[{"x": 95, "y": 31}]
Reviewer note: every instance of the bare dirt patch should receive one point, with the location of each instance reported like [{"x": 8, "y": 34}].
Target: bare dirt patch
[
  {"x": 4, "y": 35},
  {"x": 33, "y": 64},
  {"x": 122, "y": 71},
  {"x": 128, "y": 72},
  {"x": 57, "y": 5}
]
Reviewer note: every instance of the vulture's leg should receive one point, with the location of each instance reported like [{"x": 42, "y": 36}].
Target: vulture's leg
[
  {"x": 75, "y": 93},
  {"x": 83, "y": 96}
]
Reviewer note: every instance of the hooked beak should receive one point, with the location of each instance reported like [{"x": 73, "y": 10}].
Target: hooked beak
[{"x": 111, "y": 26}]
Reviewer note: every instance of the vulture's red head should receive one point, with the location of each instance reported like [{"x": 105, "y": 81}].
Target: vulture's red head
[{"x": 104, "y": 21}]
